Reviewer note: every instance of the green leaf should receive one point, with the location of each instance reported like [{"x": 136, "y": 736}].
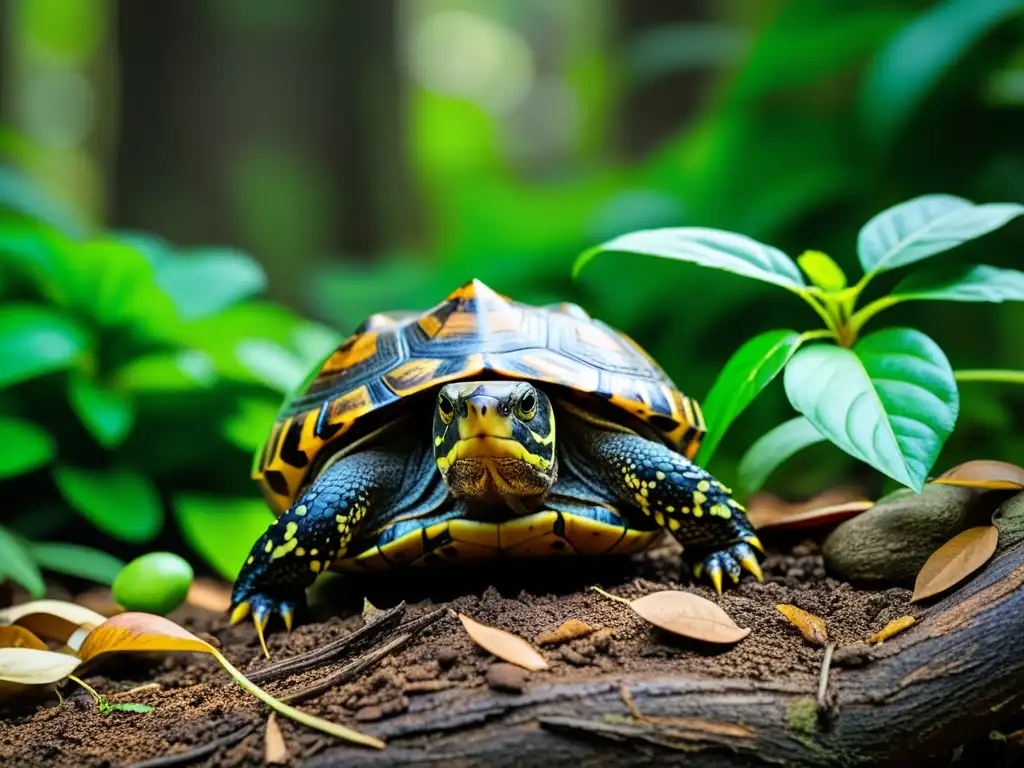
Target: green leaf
[
  {"x": 206, "y": 281},
  {"x": 16, "y": 564},
  {"x": 120, "y": 502},
  {"x": 34, "y": 341},
  {"x": 107, "y": 413},
  {"x": 130, "y": 706},
  {"x": 822, "y": 271},
  {"x": 925, "y": 226},
  {"x": 272, "y": 364},
  {"x": 773, "y": 449},
  {"x": 167, "y": 372},
  {"x": 23, "y": 447},
  {"x": 222, "y": 530},
  {"x": 751, "y": 368},
  {"x": 18, "y": 193},
  {"x": 916, "y": 58},
  {"x": 962, "y": 283},
  {"x": 250, "y": 425},
  {"x": 891, "y": 401},
  {"x": 709, "y": 248},
  {"x": 76, "y": 560}
]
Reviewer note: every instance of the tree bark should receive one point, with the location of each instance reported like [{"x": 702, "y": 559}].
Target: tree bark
[{"x": 950, "y": 678}]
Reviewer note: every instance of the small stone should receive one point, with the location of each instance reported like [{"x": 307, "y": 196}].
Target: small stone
[
  {"x": 426, "y": 671},
  {"x": 796, "y": 573},
  {"x": 368, "y": 714},
  {"x": 802, "y": 550},
  {"x": 446, "y": 656},
  {"x": 507, "y": 677},
  {"x": 818, "y": 573}
]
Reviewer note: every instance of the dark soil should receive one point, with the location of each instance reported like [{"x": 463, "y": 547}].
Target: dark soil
[{"x": 197, "y": 704}]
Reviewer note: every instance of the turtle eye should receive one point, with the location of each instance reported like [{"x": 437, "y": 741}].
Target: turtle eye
[
  {"x": 526, "y": 408},
  {"x": 446, "y": 408}
]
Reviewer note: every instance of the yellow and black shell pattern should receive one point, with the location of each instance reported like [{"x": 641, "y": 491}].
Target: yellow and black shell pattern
[{"x": 474, "y": 333}]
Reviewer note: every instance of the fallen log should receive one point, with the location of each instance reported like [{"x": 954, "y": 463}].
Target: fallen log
[{"x": 950, "y": 678}]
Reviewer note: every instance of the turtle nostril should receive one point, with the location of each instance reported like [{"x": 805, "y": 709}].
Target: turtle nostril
[{"x": 483, "y": 410}]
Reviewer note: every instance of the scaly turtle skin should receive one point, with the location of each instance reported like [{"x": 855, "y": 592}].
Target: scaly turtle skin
[{"x": 430, "y": 438}]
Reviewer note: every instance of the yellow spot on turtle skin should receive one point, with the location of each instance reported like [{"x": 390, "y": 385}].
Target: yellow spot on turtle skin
[
  {"x": 314, "y": 566},
  {"x": 339, "y": 518},
  {"x": 659, "y": 518},
  {"x": 290, "y": 530},
  {"x": 300, "y": 510},
  {"x": 313, "y": 552},
  {"x": 699, "y": 499},
  {"x": 300, "y": 551},
  {"x": 651, "y": 484},
  {"x": 284, "y": 549},
  {"x": 685, "y": 510},
  {"x": 643, "y": 492},
  {"x": 670, "y": 509},
  {"x": 270, "y": 546},
  {"x": 721, "y": 510},
  {"x": 674, "y": 524},
  {"x": 703, "y": 486},
  {"x": 660, "y": 475},
  {"x": 698, "y": 512}
]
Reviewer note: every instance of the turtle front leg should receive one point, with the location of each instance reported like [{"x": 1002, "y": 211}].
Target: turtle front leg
[
  {"x": 697, "y": 509},
  {"x": 311, "y": 534}
]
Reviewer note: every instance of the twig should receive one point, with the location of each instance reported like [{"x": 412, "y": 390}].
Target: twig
[
  {"x": 826, "y": 665},
  {"x": 407, "y": 632},
  {"x": 197, "y": 753},
  {"x": 627, "y": 699},
  {"x": 362, "y": 638},
  {"x": 610, "y": 596}
]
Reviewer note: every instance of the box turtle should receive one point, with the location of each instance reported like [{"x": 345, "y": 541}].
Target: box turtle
[{"x": 431, "y": 438}]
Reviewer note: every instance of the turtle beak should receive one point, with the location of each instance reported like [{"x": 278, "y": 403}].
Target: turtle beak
[{"x": 481, "y": 418}]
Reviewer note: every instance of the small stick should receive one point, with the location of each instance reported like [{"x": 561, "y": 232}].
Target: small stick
[
  {"x": 195, "y": 754},
  {"x": 826, "y": 665},
  {"x": 139, "y": 689},
  {"x": 409, "y": 630},
  {"x": 610, "y": 596},
  {"x": 362, "y": 638},
  {"x": 627, "y": 699}
]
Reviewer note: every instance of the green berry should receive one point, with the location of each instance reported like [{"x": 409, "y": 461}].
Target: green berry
[{"x": 154, "y": 583}]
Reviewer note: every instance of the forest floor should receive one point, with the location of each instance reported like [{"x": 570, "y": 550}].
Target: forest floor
[{"x": 195, "y": 704}]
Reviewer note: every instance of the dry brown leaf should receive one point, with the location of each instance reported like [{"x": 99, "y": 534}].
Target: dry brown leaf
[
  {"x": 768, "y": 511},
  {"x": 689, "y": 615},
  {"x": 955, "y": 560},
  {"x": 569, "y": 629},
  {"x": 811, "y": 627},
  {"x": 19, "y": 637},
  {"x": 275, "y": 751},
  {"x": 504, "y": 645},
  {"x": 212, "y": 595},
  {"x": 51, "y": 619},
  {"x": 984, "y": 473},
  {"x": 894, "y": 627}
]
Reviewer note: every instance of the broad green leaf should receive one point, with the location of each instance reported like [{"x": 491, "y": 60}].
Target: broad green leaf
[
  {"x": 891, "y": 401},
  {"x": 120, "y": 502},
  {"x": 925, "y": 226},
  {"x": 822, "y": 270},
  {"x": 21, "y": 194},
  {"x": 16, "y": 564},
  {"x": 222, "y": 530},
  {"x": 250, "y": 425},
  {"x": 35, "y": 340},
  {"x": 751, "y": 368},
  {"x": 205, "y": 281},
  {"x": 76, "y": 560},
  {"x": 167, "y": 372},
  {"x": 708, "y": 248},
  {"x": 107, "y": 413},
  {"x": 272, "y": 364},
  {"x": 773, "y": 449},
  {"x": 23, "y": 447},
  {"x": 959, "y": 283},
  {"x": 911, "y": 64}
]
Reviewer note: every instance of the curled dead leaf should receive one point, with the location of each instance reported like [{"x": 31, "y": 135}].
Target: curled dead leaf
[
  {"x": 689, "y": 615},
  {"x": 19, "y": 637},
  {"x": 984, "y": 473},
  {"x": 504, "y": 645},
  {"x": 955, "y": 560},
  {"x": 768, "y": 511},
  {"x": 569, "y": 629},
  {"x": 892, "y": 628},
  {"x": 52, "y": 619},
  {"x": 22, "y": 669},
  {"x": 810, "y": 626},
  {"x": 275, "y": 751}
]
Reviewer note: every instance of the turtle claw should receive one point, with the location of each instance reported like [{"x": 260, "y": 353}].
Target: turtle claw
[
  {"x": 239, "y": 612},
  {"x": 731, "y": 561},
  {"x": 263, "y": 608}
]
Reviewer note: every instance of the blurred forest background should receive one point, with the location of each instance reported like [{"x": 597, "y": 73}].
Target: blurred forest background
[{"x": 199, "y": 199}]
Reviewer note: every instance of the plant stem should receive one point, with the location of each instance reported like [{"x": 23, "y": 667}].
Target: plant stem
[
  {"x": 821, "y": 333},
  {"x": 89, "y": 688},
  {"x": 823, "y": 313},
  {"x": 991, "y": 374}
]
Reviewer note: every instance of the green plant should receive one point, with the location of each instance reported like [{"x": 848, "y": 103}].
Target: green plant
[
  {"x": 104, "y": 704},
  {"x": 136, "y": 380},
  {"x": 888, "y": 398},
  {"x": 22, "y": 561}
]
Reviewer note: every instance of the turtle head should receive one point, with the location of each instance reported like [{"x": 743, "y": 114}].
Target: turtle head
[{"x": 495, "y": 440}]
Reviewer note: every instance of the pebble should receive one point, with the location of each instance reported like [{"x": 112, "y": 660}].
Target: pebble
[
  {"x": 446, "y": 656},
  {"x": 507, "y": 677}
]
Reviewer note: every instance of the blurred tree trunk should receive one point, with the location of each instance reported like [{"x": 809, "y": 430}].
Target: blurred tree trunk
[{"x": 273, "y": 127}]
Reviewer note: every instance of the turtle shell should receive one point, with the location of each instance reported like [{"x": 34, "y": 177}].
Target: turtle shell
[{"x": 474, "y": 333}]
